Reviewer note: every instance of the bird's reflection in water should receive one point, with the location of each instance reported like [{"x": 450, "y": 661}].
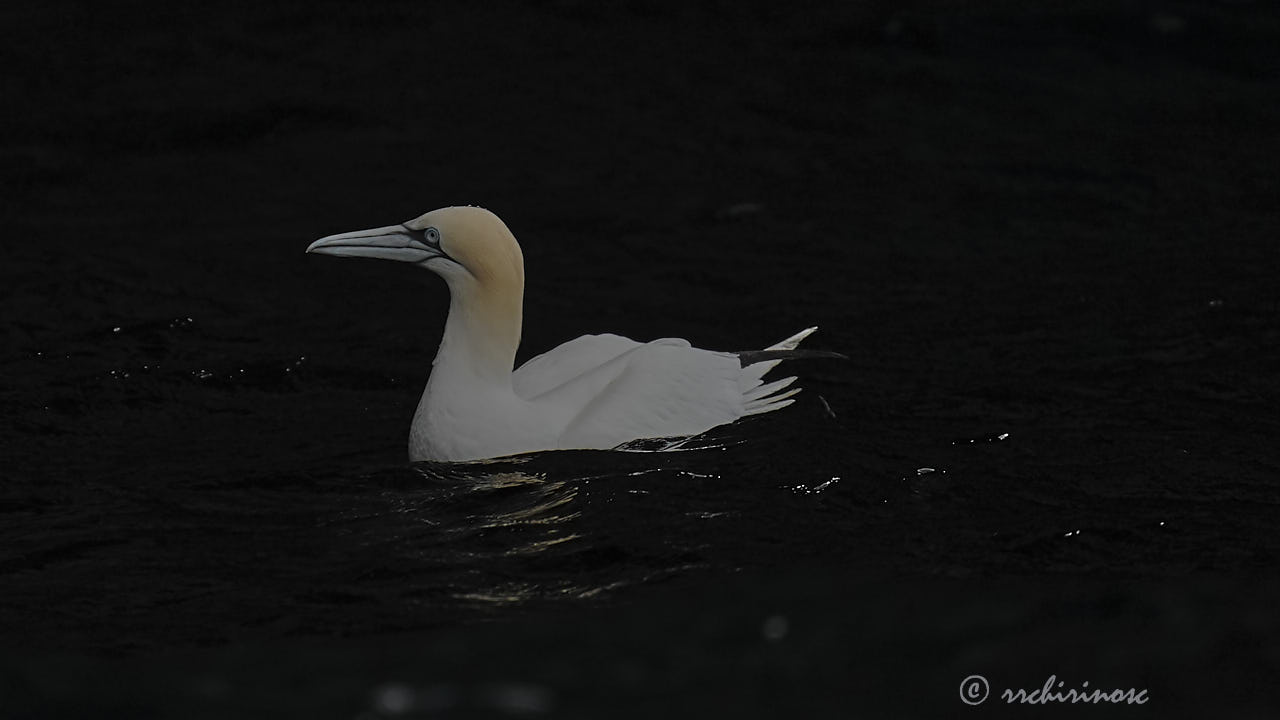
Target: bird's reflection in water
[
  {"x": 534, "y": 509},
  {"x": 551, "y": 526},
  {"x": 485, "y": 534}
]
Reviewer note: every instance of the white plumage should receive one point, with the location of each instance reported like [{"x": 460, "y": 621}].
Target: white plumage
[{"x": 594, "y": 392}]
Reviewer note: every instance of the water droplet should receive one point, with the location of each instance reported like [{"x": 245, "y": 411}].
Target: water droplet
[
  {"x": 393, "y": 698},
  {"x": 1166, "y": 23},
  {"x": 827, "y": 407},
  {"x": 989, "y": 438},
  {"x": 517, "y": 698},
  {"x": 775, "y": 628},
  {"x": 738, "y": 210}
]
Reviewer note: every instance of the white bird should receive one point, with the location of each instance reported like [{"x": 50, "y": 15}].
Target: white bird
[{"x": 595, "y": 392}]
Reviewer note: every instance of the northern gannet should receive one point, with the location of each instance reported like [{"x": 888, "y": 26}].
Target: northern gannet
[{"x": 595, "y": 392}]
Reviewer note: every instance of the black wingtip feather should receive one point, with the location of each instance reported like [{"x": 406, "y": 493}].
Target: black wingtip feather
[{"x": 751, "y": 357}]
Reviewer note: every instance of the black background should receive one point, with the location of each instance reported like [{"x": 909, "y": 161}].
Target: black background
[{"x": 1044, "y": 233}]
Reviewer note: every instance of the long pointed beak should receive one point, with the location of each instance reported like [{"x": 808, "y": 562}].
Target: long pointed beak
[{"x": 394, "y": 242}]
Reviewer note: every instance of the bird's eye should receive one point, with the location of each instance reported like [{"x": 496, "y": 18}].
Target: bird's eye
[{"x": 432, "y": 235}]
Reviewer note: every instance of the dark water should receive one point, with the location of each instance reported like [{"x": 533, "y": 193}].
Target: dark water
[{"x": 1046, "y": 238}]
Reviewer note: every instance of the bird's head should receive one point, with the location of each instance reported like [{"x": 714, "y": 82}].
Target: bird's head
[{"x": 461, "y": 244}]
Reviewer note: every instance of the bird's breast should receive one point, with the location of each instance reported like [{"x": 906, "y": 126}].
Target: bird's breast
[{"x": 457, "y": 422}]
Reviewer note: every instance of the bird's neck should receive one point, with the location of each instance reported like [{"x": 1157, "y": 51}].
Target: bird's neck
[{"x": 482, "y": 332}]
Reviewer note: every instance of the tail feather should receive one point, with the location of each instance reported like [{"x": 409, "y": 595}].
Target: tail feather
[
  {"x": 760, "y": 397},
  {"x": 762, "y": 392},
  {"x": 771, "y": 406},
  {"x": 793, "y": 341},
  {"x": 755, "y": 363},
  {"x": 752, "y": 357}
]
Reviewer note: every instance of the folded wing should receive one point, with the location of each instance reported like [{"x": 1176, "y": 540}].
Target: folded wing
[
  {"x": 658, "y": 390},
  {"x": 568, "y": 362},
  {"x": 606, "y": 390}
]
